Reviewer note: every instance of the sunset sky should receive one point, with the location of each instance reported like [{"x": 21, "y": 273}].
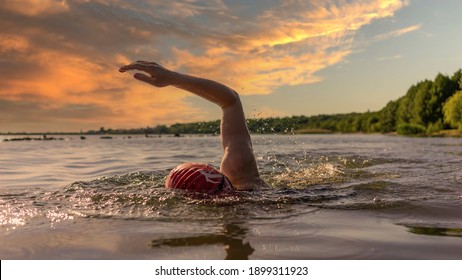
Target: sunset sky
[{"x": 59, "y": 60}]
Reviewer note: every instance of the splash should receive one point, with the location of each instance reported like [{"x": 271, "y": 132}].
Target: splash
[
  {"x": 313, "y": 175},
  {"x": 300, "y": 183}
]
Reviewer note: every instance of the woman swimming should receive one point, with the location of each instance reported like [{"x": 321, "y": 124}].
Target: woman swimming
[{"x": 238, "y": 168}]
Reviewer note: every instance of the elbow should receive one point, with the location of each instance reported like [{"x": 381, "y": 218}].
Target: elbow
[{"x": 232, "y": 99}]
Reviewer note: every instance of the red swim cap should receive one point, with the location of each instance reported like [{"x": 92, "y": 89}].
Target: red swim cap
[{"x": 198, "y": 177}]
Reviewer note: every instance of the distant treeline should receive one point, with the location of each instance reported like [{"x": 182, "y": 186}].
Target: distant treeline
[{"x": 427, "y": 108}]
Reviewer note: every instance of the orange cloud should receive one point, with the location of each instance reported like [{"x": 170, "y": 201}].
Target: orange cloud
[
  {"x": 36, "y": 7},
  {"x": 12, "y": 43},
  {"x": 70, "y": 82},
  {"x": 64, "y": 55},
  {"x": 289, "y": 45}
]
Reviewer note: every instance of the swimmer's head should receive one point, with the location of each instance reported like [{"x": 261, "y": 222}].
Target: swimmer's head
[{"x": 197, "y": 177}]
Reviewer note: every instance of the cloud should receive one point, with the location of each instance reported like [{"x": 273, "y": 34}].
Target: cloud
[
  {"x": 398, "y": 56},
  {"x": 36, "y": 7},
  {"x": 28, "y": 113},
  {"x": 68, "y": 52},
  {"x": 285, "y": 45},
  {"x": 397, "y": 33}
]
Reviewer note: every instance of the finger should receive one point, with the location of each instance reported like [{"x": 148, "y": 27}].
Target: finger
[
  {"x": 134, "y": 66},
  {"x": 147, "y": 63},
  {"x": 144, "y": 78}
]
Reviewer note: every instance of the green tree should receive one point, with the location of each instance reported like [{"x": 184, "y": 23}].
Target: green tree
[
  {"x": 406, "y": 105},
  {"x": 410, "y": 129},
  {"x": 388, "y": 116},
  {"x": 160, "y": 129},
  {"x": 453, "y": 110},
  {"x": 457, "y": 78},
  {"x": 421, "y": 110},
  {"x": 442, "y": 88}
]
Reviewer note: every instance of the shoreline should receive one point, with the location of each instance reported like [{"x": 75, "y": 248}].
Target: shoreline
[{"x": 442, "y": 133}]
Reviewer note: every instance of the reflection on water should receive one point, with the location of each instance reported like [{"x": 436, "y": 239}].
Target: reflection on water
[
  {"x": 232, "y": 240},
  {"x": 436, "y": 231}
]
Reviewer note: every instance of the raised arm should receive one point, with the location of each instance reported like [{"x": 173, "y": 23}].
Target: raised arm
[{"x": 238, "y": 162}]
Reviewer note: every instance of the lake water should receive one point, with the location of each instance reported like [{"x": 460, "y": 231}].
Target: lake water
[{"x": 332, "y": 197}]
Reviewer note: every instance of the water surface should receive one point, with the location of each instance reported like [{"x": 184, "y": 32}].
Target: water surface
[{"x": 332, "y": 197}]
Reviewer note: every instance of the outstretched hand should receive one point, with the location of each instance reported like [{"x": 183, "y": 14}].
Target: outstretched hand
[{"x": 157, "y": 75}]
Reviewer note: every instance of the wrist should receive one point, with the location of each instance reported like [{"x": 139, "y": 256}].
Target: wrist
[{"x": 175, "y": 78}]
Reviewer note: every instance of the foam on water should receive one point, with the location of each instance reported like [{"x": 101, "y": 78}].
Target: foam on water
[{"x": 325, "y": 182}]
